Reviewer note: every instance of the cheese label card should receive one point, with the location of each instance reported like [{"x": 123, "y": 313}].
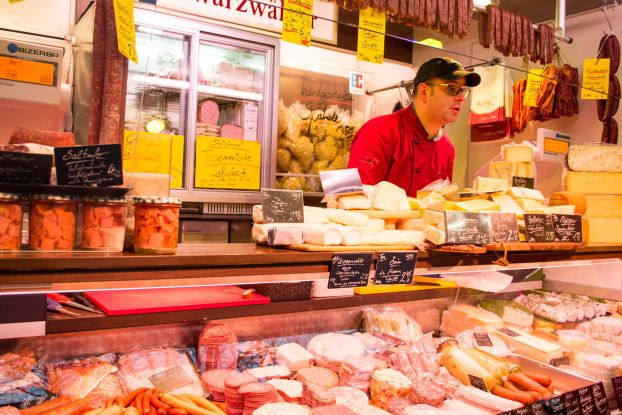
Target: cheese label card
[
  {"x": 601, "y": 405},
  {"x": 372, "y": 28},
  {"x": 395, "y": 267},
  {"x": 518, "y": 181},
  {"x": 567, "y": 228},
  {"x": 559, "y": 361},
  {"x": 25, "y": 168},
  {"x": 467, "y": 228},
  {"x": 349, "y": 270},
  {"x": 170, "y": 379},
  {"x": 595, "y": 78},
  {"x": 571, "y": 403},
  {"x": 525, "y": 410},
  {"x": 346, "y": 181},
  {"x": 477, "y": 382},
  {"x": 617, "y": 388},
  {"x": 534, "y": 79},
  {"x": 297, "y": 21},
  {"x": 503, "y": 227},
  {"x": 586, "y": 400},
  {"x": 508, "y": 332},
  {"x": 537, "y": 408},
  {"x": 99, "y": 165},
  {"x": 482, "y": 339},
  {"x": 556, "y": 406},
  {"x": 539, "y": 228},
  {"x": 282, "y": 206}
]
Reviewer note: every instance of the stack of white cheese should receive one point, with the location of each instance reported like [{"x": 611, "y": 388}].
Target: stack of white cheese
[
  {"x": 517, "y": 161},
  {"x": 594, "y": 187}
]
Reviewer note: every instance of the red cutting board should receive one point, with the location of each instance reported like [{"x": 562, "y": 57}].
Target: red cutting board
[{"x": 157, "y": 300}]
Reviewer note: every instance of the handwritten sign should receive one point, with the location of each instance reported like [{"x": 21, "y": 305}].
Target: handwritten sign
[
  {"x": 560, "y": 361},
  {"x": 467, "y": 227},
  {"x": 395, "y": 267},
  {"x": 617, "y": 389},
  {"x": 519, "y": 181},
  {"x": 482, "y": 339},
  {"x": 297, "y": 21},
  {"x": 508, "y": 332},
  {"x": 154, "y": 153},
  {"x": 586, "y": 400},
  {"x": 567, "y": 228},
  {"x": 595, "y": 78},
  {"x": 534, "y": 79},
  {"x": 98, "y": 165},
  {"x": 25, "y": 168},
  {"x": 525, "y": 410},
  {"x": 556, "y": 406},
  {"x": 571, "y": 403},
  {"x": 349, "y": 270},
  {"x": 477, "y": 382},
  {"x": 539, "y": 228},
  {"x": 537, "y": 408},
  {"x": 372, "y": 27},
  {"x": 600, "y": 399},
  {"x": 225, "y": 163},
  {"x": 126, "y": 32},
  {"x": 282, "y": 206},
  {"x": 503, "y": 227}
]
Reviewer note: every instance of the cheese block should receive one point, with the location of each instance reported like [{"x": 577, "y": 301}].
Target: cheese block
[
  {"x": 350, "y": 235},
  {"x": 410, "y": 224},
  {"x": 433, "y": 201},
  {"x": 603, "y": 231},
  {"x": 276, "y": 235},
  {"x": 346, "y": 217},
  {"x": 530, "y": 205},
  {"x": 449, "y": 189},
  {"x": 433, "y": 234},
  {"x": 369, "y": 191},
  {"x": 548, "y": 210},
  {"x": 328, "y": 235},
  {"x": 502, "y": 170},
  {"x": 524, "y": 169},
  {"x": 294, "y": 356},
  {"x": 526, "y": 193},
  {"x": 373, "y": 226},
  {"x": 529, "y": 345},
  {"x": 413, "y": 203},
  {"x": 354, "y": 202},
  {"x": 290, "y": 390},
  {"x": 595, "y": 157},
  {"x": 389, "y": 197},
  {"x": 393, "y": 237},
  {"x": 513, "y": 152},
  {"x": 590, "y": 206},
  {"x": 601, "y": 183},
  {"x": 312, "y": 214},
  {"x": 507, "y": 204},
  {"x": 488, "y": 184},
  {"x": 432, "y": 217},
  {"x": 477, "y": 205}
]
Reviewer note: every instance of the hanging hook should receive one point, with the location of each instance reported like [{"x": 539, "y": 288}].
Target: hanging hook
[{"x": 607, "y": 17}]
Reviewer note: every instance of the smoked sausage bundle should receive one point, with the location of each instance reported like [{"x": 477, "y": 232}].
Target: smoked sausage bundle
[{"x": 609, "y": 47}]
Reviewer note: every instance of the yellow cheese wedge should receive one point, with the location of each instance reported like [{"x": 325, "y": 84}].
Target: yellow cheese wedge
[
  {"x": 530, "y": 346},
  {"x": 524, "y": 169},
  {"x": 526, "y": 193},
  {"x": 530, "y": 205},
  {"x": 601, "y": 183},
  {"x": 476, "y": 205},
  {"x": 434, "y": 235},
  {"x": 413, "y": 203},
  {"x": 488, "y": 184},
  {"x": 517, "y": 153},
  {"x": 507, "y": 204},
  {"x": 502, "y": 170}
]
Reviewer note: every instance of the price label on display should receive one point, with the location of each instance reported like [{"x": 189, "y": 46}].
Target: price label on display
[
  {"x": 372, "y": 28},
  {"x": 395, "y": 267},
  {"x": 600, "y": 399},
  {"x": 99, "y": 165},
  {"x": 539, "y": 227},
  {"x": 534, "y": 79},
  {"x": 145, "y": 152},
  {"x": 126, "y": 30},
  {"x": 595, "y": 78},
  {"x": 349, "y": 270},
  {"x": 22, "y": 70},
  {"x": 503, "y": 227},
  {"x": 467, "y": 228},
  {"x": 225, "y": 163},
  {"x": 586, "y": 400},
  {"x": 282, "y": 206},
  {"x": 297, "y": 21}
]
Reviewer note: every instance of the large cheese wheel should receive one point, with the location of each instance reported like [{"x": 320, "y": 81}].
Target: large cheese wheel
[{"x": 569, "y": 198}]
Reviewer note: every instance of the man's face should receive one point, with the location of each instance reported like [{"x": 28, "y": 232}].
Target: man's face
[{"x": 441, "y": 103}]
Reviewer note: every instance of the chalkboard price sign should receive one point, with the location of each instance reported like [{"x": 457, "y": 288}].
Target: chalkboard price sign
[
  {"x": 25, "y": 168},
  {"x": 482, "y": 339},
  {"x": 586, "y": 400},
  {"x": 567, "y": 228},
  {"x": 537, "y": 408},
  {"x": 349, "y": 270},
  {"x": 99, "y": 165},
  {"x": 571, "y": 403},
  {"x": 601, "y": 405},
  {"x": 282, "y": 206},
  {"x": 539, "y": 228},
  {"x": 518, "y": 181},
  {"x": 503, "y": 227},
  {"x": 467, "y": 228},
  {"x": 477, "y": 382},
  {"x": 395, "y": 267}
]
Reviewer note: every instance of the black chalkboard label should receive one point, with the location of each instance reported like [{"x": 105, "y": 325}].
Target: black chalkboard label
[
  {"x": 282, "y": 206},
  {"x": 556, "y": 406},
  {"x": 482, "y": 339},
  {"x": 567, "y": 228},
  {"x": 349, "y": 270},
  {"x": 508, "y": 332},
  {"x": 477, "y": 382},
  {"x": 99, "y": 165},
  {"x": 617, "y": 389},
  {"x": 571, "y": 403},
  {"x": 559, "y": 361},
  {"x": 537, "y": 408},
  {"x": 518, "y": 181},
  {"x": 395, "y": 267},
  {"x": 601, "y": 405},
  {"x": 586, "y": 400},
  {"x": 467, "y": 227},
  {"x": 503, "y": 227},
  {"x": 539, "y": 228},
  {"x": 525, "y": 410},
  {"x": 25, "y": 168}
]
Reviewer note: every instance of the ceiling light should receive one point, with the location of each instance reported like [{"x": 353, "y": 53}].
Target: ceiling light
[
  {"x": 481, "y": 3},
  {"x": 316, "y": 68},
  {"x": 435, "y": 43}
]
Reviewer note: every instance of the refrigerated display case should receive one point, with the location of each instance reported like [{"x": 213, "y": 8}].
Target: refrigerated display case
[{"x": 200, "y": 105}]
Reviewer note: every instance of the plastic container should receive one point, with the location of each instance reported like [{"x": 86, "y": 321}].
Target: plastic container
[
  {"x": 10, "y": 222},
  {"x": 156, "y": 225},
  {"x": 574, "y": 339},
  {"x": 102, "y": 227},
  {"x": 52, "y": 223}
]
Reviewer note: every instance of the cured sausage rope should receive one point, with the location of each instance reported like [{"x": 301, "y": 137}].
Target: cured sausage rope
[{"x": 97, "y": 72}]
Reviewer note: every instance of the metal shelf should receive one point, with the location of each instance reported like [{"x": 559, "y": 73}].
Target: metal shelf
[{"x": 229, "y": 93}]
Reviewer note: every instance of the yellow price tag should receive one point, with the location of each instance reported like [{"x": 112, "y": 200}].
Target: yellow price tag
[
  {"x": 154, "y": 153},
  {"x": 297, "y": 21},
  {"x": 534, "y": 79},
  {"x": 15, "y": 1},
  {"x": 372, "y": 27},
  {"x": 225, "y": 163},
  {"x": 126, "y": 30},
  {"x": 595, "y": 78}
]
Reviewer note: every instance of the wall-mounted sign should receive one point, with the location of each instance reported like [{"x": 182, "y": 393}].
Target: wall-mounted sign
[
  {"x": 225, "y": 163},
  {"x": 357, "y": 83}
]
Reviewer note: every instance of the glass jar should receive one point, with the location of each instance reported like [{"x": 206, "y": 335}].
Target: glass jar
[
  {"x": 156, "y": 224},
  {"x": 52, "y": 223},
  {"x": 10, "y": 222},
  {"x": 102, "y": 227}
]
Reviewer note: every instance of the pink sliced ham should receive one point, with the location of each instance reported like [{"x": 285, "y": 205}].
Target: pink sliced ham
[
  {"x": 232, "y": 131},
  {"x": 209, "y": 112}
]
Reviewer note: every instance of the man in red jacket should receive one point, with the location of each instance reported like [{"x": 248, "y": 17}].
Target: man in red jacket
[{"x": 408, "y": 147}]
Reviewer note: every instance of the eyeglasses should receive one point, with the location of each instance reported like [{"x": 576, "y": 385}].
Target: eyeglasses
[{"x": 455, "y": 90}]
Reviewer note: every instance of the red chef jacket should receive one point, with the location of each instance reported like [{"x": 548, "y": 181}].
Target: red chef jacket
[{"x": 395, "y": 148}]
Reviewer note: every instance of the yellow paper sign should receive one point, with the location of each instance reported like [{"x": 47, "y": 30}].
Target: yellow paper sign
[
  {"x": 595, "y": 78},
  {"x": 15, "y": 1},
  {"x": 225, "y": 163},
  {"x": 534, "y": 79},
  {"x": 126, "y": 31},
  {"x": 372, "y": 27},
  {"x": 297, "y": 21},
  {"x": 154, "y": 153}
]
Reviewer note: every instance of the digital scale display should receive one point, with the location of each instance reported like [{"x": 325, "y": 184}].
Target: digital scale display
[{"x": 25, "y": 70}]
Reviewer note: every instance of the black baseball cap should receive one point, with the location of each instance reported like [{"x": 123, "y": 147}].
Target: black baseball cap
[{"x": 445, "y": 68}]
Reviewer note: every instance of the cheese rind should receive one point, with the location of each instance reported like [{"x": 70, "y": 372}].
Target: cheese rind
[
  {"x": 433, "y": 234},
  {"x": 513, "y": 152},
  {"x": 524, "y": 169},
  {"x": 507, "y": 204},
  {"x": 601, "y": 183},
  {"x": 569, "y": 198},
  {"x": 354, "y": 202},
  {"x": 389, "y": 197},
  {"x": 476, "y": 205},
  {"x": 595, "y": 157}
]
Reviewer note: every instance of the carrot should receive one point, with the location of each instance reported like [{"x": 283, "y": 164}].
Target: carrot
[
  {"x": 74, "y": 408},
  {"x": 203, "y": 403},
  {"x": 176, "y": 411},
  {"x": 132, "y": 395},
  {"x": 156, "y": 402},
  {"x": 522, "y": 397},
  {"x": 46, "y": 406},
  {"x": 109, "y": 402},
  {"x": 146, "y": 403},
  {"x": 522, "y": 380},
  {"x": 543, "y": 380},
  {"x": 191, "y": 408},
  {"x": 138, "y": 402}
]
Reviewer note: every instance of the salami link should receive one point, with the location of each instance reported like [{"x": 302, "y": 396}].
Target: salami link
[
  {"x": 451, "y": 18},
  {"x": 609, "y": 47},
  {"x": 518, "y": 35},
  {"x": 468, "y": 18},
  {"x": 442, "y": 15},
  {"x": 497, "y": 29},
  {"x": 97, "y": 72},
  {"x": 430, "y": 12},
  {"x": 482, "y": 29},
  {"x": 506, "y": 18}
]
